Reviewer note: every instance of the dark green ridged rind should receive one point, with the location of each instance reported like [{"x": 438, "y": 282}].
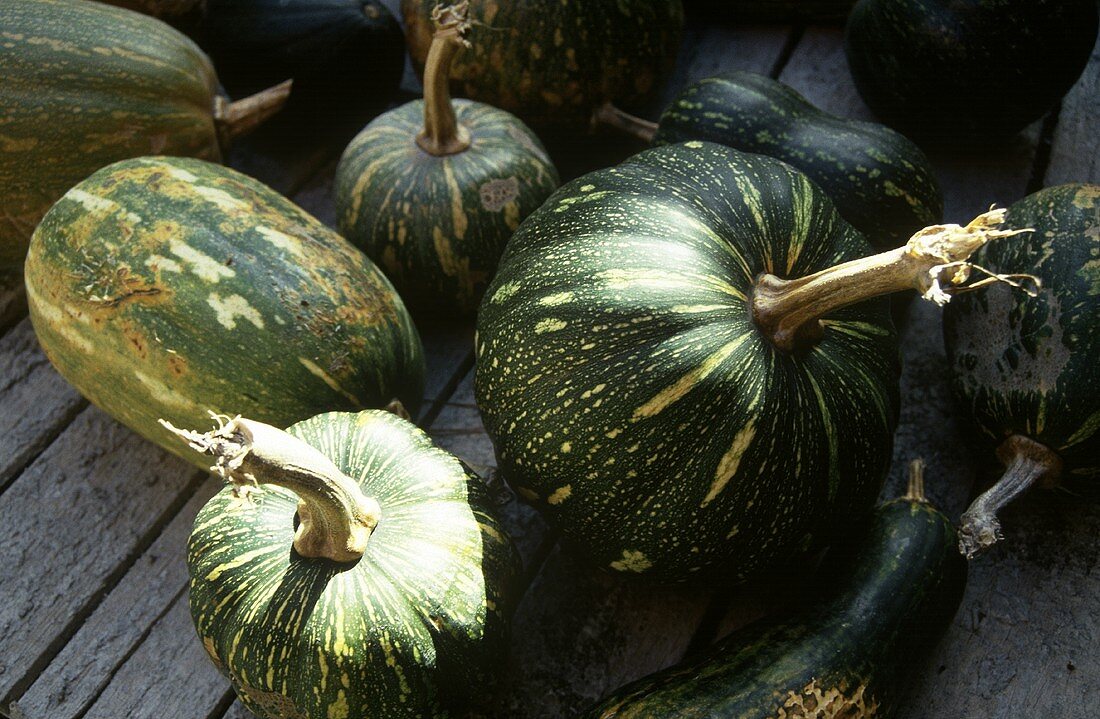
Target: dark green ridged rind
[
  {"x": 416, "y": 626},
  {"x": 1027, "y": 365},
  {"x": 967, "y": 70},
  {"x": 438, "y": 225},
  {"x": 551, "y": 62},
  {"x": 847, "y": 657},
  {"x": 632, "y": 400},
  {"x": 83, "y": 85},
  {"x": 880, "y": 182},
  {"x": 167, "y": 287}
]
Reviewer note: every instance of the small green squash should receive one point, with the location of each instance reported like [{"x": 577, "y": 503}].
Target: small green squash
[
  {"x": 960, "y": 71},
  {"x": 352, "y": 570},
  {"x": 432, "y": 190},
  {"x": 1025, "y": 368},
  {"x": 894, "y": 595},
  {"x": 552, "y": 62},
  {"x": 880, "y": 181},
  {"x": 654, "y": 386},
  {"x": 170, "y": 287},
  {"x": 85, "y": 84}
]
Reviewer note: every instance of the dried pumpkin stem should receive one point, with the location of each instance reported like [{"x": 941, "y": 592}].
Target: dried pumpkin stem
[
  {"x": 236, "y": 119},
  {"x": 442, "y": 133},
  {"x": 607, "y": 115},
  {"x": 1028, "y": 463},
  {"x": 915, "y": 490},
  {"x": 934, "y": 262},
  {"x": 335, "y": 517}
]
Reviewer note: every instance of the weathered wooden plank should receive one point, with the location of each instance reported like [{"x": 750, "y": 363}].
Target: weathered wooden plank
[
  {"x": 168, "y": 677},
  {"x": 70, "y": 526},
  {"x": 13, "y": 299},
  {"x": 37, "y": 402},
  {"x": 1075, "y": 148},
  {"x": 77, "y": 676}
]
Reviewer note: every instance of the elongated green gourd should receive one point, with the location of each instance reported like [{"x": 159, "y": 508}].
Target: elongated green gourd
[
  {"x": 352, "y": 569},
  {"x": 1024, "y": 368},
  {"x": 85, "y": 84},
  {"x": 846, "y": 657},
  {"x": 170, "y": 287},
  {"x": 674, "y": 368},
  {"x": 881, "y": 182},
  {"x": 432, "y": 190}
]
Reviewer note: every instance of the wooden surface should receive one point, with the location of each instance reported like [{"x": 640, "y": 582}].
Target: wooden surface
[{"x": 93, "y": 521}]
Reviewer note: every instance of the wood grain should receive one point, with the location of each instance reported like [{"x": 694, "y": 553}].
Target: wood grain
[{"x": 13, "y": 299}]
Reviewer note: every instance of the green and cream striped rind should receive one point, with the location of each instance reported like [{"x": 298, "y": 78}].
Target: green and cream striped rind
[
  {"x": 166, "y": 287},
  {"x": 419, "y": 624},
  {"x": 848, "y": 657},
  {"x": 83, "y": 85},
  {"x": 1028, "y": 365},
  {"x": 631, "y": 398},
  {"x": 880, "y": 181},
  {"x": 438, "y": 225},
  {"x": 552, "y": 62}
]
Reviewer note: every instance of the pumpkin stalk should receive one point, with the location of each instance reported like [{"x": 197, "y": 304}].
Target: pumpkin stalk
[
  {"x": 442, "y": 134},
  {"x": 335, "y": 517},
  {"x": 935, "y": 262},
  {"x": 607, "y": 115},
  {"x": 237, "y": 119},
  {"x": 915, "y": 490},
  {"x": 1028, "y": 463}
]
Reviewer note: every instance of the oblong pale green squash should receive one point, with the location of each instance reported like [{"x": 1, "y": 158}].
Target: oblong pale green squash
[
  {"x": 416, "y": 626},
  {"x": 891, "y": 595},
  {"x": 170, "y": 287}
]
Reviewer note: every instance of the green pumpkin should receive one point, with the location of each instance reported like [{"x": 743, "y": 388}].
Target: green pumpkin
[
  {"x": 169, "y": 287},
  {"x": 959, "y": 71},
  {"x": 551, "y": 62},
  {"x": 1024, "y": 368},
  {"x": 85, "y": 84},
  {"x": 880, "y": 181},
  {"x": 414, "y": 623},
  {"x": 433, "y": 190},
  {"x": 846, "y": 655}
]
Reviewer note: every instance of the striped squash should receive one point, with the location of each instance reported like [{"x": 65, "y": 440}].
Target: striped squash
[
  {"x": 85, "y": 84},
  {"x": 551, "y": 62},
  {"x": 396, "y": 597},
  {"x": 670, "y": 402},
  {"x": 170, "y": 287},
  {"x": 1025, "y": 368},
  {"x": 432, "y": 190}
]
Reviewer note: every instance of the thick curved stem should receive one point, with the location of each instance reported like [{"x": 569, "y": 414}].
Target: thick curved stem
[
  {"x": 236, "y": 119},
  {"x": 933, "y": 262},
  {"x": 335, "y": 517},
  {"x": 1028, "y": 463},
  {"x": 442, "y": 134},
  {"x": 915, "y": 490},
  {"x": 607, "y": 115}
]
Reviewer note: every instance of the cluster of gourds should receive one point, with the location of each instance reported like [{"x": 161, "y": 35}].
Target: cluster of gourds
[{"x": 684, "y": 361}]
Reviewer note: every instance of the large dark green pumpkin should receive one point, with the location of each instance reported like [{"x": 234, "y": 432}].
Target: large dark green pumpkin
[
  {"x": 631, "y": 397},
  {"x": 551, "y": 62},
  {"x": 966, "y": 70},
  {"x": 1028, "y": 365},
  {"x": 82, "y": 85},
  {"x": 167, "y": 287},
  {"x": 880, "y": 181},
  {"x": 848, "y": 656},
  {"x": 417, "y": 625}
]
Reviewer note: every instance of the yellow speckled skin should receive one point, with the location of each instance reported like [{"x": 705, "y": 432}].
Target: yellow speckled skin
[{"x": 82, "y": 85}]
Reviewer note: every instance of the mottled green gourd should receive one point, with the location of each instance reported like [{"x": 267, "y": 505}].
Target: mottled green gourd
[
  {"x": 552, "y": 62},
  {"x": 352, "y": 570},
  {"x": 847, "y": 657},
  {"x": 432, "y": 191},
  {"x": 169, "y": 287},
  {"x": 960, "y": 71},
  {"x": 85, "y": 84},
  {"x": 654, "y": 386},
  {"x": 1025, "y": 368},
  {"x": 881, "y": 182}
]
